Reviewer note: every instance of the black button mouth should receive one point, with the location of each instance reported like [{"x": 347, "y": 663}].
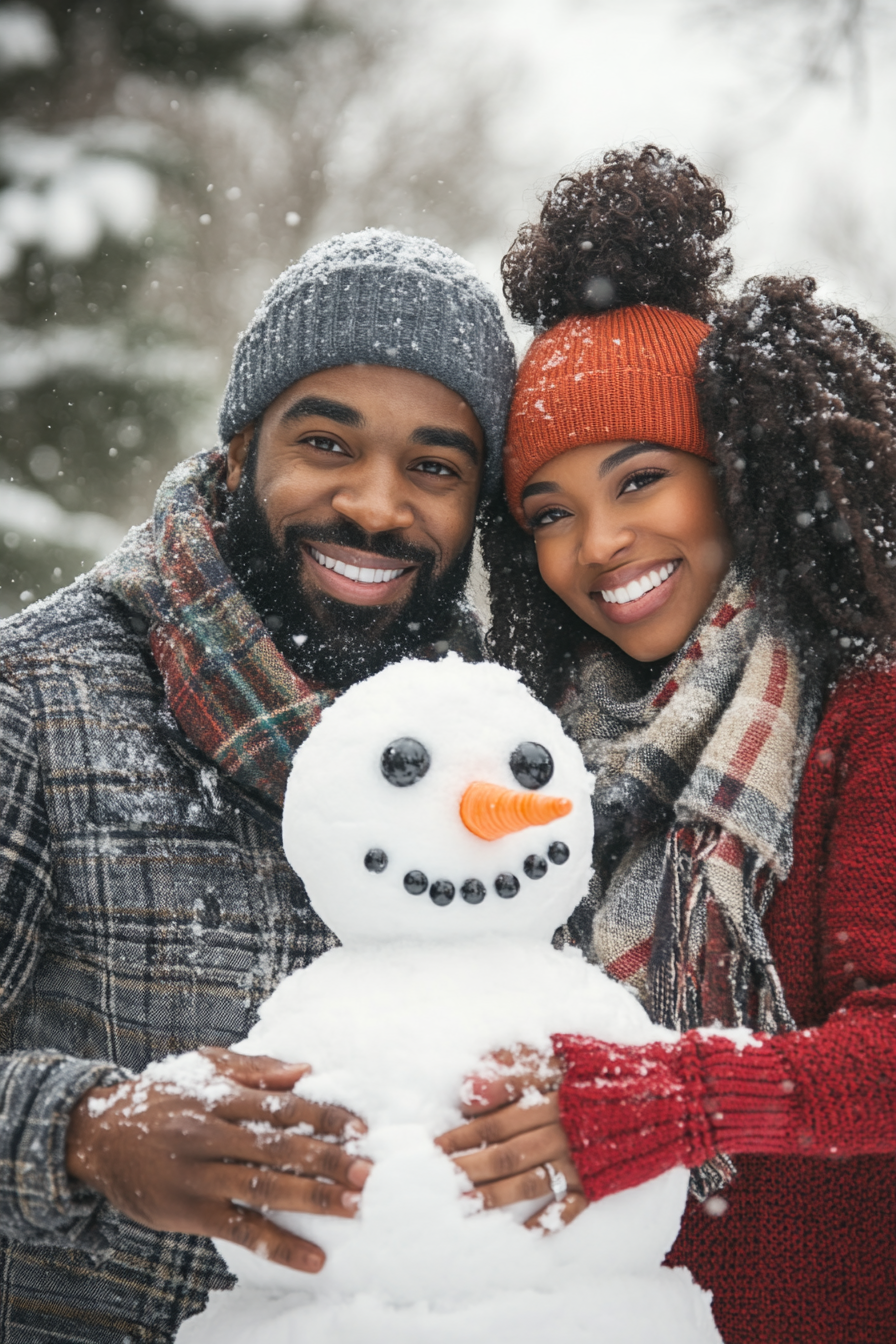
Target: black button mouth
[
  {"x": 535, "y": 866},
  {"x": 473, "y": 891}
]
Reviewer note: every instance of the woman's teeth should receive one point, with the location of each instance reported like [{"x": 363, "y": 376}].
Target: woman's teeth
[
  {"x": 638, "y": 587},
  {"x": 353, "y": 572}
]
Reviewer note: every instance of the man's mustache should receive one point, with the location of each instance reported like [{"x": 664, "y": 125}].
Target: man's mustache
[{"x": 346, "y": 533}]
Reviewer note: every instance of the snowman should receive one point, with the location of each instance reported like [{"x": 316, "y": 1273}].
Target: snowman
[{"x": 441, "y": 822}]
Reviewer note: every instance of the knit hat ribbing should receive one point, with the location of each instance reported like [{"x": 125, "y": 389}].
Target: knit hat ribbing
[
  {"x": 377, "y": 297},
  {"x": 625, "y": 374}
]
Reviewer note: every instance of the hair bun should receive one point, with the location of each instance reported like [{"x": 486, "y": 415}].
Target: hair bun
[{"x": 637, "y": 228}]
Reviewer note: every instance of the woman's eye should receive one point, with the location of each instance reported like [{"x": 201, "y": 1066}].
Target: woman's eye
[
  {"x": 551, "y": 515},
  {"x": 641, "y": 478}
]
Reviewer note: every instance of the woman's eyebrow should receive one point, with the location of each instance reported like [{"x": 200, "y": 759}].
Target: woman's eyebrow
[
  {"x": 540, "y": 488},
  {"x": 616, "y": 459}
]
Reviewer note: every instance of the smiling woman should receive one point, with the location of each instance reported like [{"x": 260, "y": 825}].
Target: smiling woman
[
  {"x": 630, "y": 536},
  {"x": 696, "y": 564}
]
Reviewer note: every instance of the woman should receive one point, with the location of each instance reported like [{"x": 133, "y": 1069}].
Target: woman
[{"x": 696, "y": 568}]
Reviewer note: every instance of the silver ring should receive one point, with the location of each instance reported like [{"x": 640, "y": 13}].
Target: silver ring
[{"x": 559, "y": 1183}]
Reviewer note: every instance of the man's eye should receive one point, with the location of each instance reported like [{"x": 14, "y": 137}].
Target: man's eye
[
  {"x": 432, "y": 468},
  {"x": 326, "y": 444},
  {"x": 639, "y": 479}
]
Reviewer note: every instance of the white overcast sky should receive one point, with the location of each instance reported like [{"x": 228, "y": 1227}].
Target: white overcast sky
[{"x": 809, "y": 167}]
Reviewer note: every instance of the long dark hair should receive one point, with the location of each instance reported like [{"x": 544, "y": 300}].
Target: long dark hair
[{"x": 798, "y": 399}]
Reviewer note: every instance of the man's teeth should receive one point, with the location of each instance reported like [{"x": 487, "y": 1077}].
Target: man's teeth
[
  {"x": 353, "y": 572},
  {"x": 638, "y": 587}
]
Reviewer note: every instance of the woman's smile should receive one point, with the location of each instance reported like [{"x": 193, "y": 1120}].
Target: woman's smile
[
  {"x": 624, "y": 599},
  {"x": 630, "y": 536}
]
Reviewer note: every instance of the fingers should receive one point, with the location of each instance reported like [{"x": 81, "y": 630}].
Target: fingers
[
  {"x": 263, "y": 1189},
  {"x": 504, "y": 1123},
  {"x": 558, "y": 1213},
  {"x": 515, "y": 1156},
  {"x": 534, "y": 1183},
  {"x": 285, "y": 1110},
  {"x": 258, "y": 1071},
  {"x": 507, "y": 1075},
  {"x": 256, "y": 1233},
  {"x": 295, "y": 1153}
]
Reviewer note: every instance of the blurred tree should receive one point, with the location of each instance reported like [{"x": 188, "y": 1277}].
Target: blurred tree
[
  {"x": 793, "y": 44},
  {"x": 806, "y": 60},
  {"x": 160, "y": 162}
]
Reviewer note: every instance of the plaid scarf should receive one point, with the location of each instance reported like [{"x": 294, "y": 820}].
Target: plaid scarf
[
  {"x": 231, "y": 691},
  {"x": 696, "y": 784}
]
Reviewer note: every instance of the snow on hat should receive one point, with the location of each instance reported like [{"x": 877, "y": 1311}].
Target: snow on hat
[
  {"x": 624, "y": 374},
  {"x": 377, "y": 297}
]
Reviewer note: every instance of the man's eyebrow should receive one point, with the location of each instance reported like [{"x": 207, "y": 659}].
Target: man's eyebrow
[
  {"x": 539, "y": 488},
  {"x": 434, "y": 436},
  {"x": 616, "y": 459},
  {"x": 327, "y": 409}
]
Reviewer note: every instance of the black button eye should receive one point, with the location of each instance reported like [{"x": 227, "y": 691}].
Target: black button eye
[
  {"x": 404, "y": 762},
  {"x": 532, "y": 765}
]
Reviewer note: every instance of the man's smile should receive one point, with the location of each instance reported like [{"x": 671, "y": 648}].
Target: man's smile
[{"x": 362, "y": 577}]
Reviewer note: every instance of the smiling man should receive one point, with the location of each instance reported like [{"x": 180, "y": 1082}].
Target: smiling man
[
  {"x": 351, "y": 524},
  {"x": 148, "y": 717}
]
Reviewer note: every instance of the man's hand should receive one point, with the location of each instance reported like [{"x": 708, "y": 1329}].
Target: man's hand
[
  {"x": 175, "y": 1147},
  {"x": 514, "y": 1147}
]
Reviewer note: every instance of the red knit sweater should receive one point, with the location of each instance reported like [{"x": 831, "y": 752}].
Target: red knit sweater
[{"x": 802, "y": 1250}]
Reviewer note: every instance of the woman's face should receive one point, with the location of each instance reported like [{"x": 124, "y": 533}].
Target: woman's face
[{"x": 630, "y": 536}]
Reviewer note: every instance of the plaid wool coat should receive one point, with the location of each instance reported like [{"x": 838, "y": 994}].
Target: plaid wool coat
[{"x": 146, "y": 908}]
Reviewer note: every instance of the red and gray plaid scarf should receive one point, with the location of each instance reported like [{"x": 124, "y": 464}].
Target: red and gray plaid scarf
[
  {"x": 231, "y": 691},
  {"x": 695, "y": 788}
]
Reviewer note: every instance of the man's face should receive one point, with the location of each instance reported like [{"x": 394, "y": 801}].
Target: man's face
[{"x": 364, "y": 482}]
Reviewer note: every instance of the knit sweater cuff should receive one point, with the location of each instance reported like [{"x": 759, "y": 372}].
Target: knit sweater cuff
[{"x": 747, "y": 1093}]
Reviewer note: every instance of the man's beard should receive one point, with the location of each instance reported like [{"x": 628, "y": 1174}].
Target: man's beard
[{"x": 328, "y": 641}]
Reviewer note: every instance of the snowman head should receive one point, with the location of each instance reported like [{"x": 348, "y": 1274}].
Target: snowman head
[{"x": 439, "y": 801}]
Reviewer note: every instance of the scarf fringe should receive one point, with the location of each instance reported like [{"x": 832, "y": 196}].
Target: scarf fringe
[{"x": 679, "y": 986}]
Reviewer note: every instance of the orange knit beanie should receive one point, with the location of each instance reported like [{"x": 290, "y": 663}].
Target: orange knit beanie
[{"x": 625, "y": 374}]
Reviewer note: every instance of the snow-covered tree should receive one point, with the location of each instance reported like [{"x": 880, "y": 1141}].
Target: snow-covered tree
[{"x": 160, "y": 162}]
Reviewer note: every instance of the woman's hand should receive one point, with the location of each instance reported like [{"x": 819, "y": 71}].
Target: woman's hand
[
  {"x": 182, "y": 1153},
  {"x": 513, "y": 1147}
]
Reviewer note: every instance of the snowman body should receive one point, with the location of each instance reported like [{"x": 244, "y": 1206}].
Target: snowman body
[{"x": 446, "y": 955}]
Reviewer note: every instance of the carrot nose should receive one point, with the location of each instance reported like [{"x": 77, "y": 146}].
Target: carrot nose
[{"x": 490, "y": 811}]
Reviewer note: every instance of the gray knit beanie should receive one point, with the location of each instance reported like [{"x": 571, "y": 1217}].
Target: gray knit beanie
[{"x": 377, "y": 297}]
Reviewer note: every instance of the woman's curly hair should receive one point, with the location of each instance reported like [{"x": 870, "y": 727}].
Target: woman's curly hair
[
  {"x": 635, "y": 229},
  {"x": 798, "y": 399}
]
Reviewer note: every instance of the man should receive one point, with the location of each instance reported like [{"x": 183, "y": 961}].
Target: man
[{"x": 148, "y": 716}]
